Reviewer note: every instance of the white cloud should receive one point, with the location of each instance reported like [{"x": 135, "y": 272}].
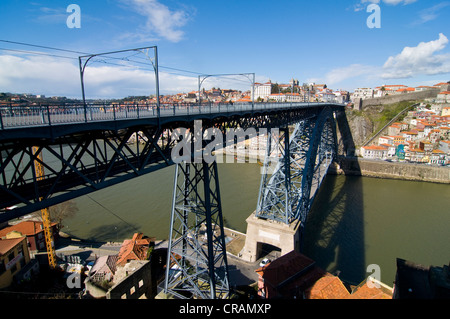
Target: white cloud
[
  {"x": 419, "y": 60},
  {"x": 412, "y": 62},
  {"x": 363, "y": 3},
  {"x": 432, "y": 13},
  {"x": 56, "y": 77},
  {"x": 161, "y": 21},
  {"x": 338, "y": 75}
]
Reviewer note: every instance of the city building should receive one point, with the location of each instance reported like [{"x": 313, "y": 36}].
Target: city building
[
  {"x": 438, "y": 157},
  {"x": 415, "y": 281},
  {"x": 423, "y": 88},
  {"x": 363, "y": 93},
  {"x": 415, "y": 155},
  {"x": 389, "y": 140},
  {"x": 33, "y": 231},
  {"x": 445, "y": 111},
  {"x": 410, "y": 135},
  {"x": 136, "y": 248},
  {"x": 443, "y": 97},
  {"x": 14, "y": 257},
  {"x": 104, "y": 268},
  {"x": 374, "y": 152},
  {"x": 295, "y": 276},
  {"x": 288, "y": 276},
  {"x": 445, "y": 146},
  {"x": 263, "y": 90},
  {"x": 399, "y": 140},
  {"x": 394, "y": 129}
]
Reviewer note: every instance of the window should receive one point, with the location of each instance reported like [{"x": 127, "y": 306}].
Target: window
[{"x": 2, "y": 267}]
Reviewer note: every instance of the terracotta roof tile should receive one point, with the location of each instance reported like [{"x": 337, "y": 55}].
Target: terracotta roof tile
[
  {"x": 134, "y": 249},
  {"x": 7, "y": 244},
  {"x": 27, "y": 228},
  {"x": 328, "y": 287}
]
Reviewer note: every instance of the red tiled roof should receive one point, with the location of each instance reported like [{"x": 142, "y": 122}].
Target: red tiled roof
[
  {"x": 327, "y": 287},
  {"x": 290, "y": 271},
  {"x": 375, "y": 148},
  {"x": 7, "y": 244},
  {"x": 26, "y": 228},
  {"x": 366, "y": 292},
  {"x": 134, "y": 249}
]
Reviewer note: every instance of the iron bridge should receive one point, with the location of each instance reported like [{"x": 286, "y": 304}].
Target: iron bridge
[{"x": 84, "y": 148}]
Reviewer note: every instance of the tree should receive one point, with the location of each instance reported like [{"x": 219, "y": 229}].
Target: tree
[
  {"x": 275, "y": 89},
  {"x": 62, "y": 211}
]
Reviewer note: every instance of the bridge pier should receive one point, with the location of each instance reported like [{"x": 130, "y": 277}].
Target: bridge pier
[
  {"x": 286, "y": 196},
  {"x": 196, "y": 260},
  {"x": 267, "y": 231}
]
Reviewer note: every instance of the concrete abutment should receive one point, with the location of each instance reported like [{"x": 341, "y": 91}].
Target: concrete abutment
[{"x": 264, "y": 231}]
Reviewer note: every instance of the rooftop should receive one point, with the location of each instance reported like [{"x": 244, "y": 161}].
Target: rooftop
[
  {"x": 135, "y": 248},
  {"x": 375, "y": 148},
  {"x": 7, "y": 244},
  {"x": 26, "y": 228}
]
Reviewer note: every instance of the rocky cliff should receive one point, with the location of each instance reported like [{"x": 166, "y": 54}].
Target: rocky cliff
[{"x": 364, "y": 124}]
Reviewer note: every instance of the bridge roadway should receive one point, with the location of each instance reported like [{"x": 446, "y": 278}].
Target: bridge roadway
[
  {"x": 71, "y": 133},
  {"x": 17, "y": 122}
]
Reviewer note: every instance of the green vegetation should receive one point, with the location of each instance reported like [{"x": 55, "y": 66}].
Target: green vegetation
[
  {"x": 371, "y": 120},
  {"x": 390, "y": 111}
]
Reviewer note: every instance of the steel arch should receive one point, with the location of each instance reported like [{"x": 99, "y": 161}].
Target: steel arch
[{"x": 302, "y": 163}]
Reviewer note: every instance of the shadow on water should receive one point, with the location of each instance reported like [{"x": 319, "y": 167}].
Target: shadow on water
[
  {"x": 334, "y": 234},
  {"x": 112, "y": 232}
]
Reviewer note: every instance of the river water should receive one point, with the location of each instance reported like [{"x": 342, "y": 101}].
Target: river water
[{"x": 354, "y": 222}]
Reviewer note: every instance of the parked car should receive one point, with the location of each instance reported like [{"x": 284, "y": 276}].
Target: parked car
[{"x": 264, "y": 262}]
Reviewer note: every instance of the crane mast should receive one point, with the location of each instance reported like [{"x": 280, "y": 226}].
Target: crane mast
[{"x": 39, "y": 169}]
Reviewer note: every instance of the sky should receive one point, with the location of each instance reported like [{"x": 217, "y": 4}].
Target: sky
[{"x": 345, "y": 44}]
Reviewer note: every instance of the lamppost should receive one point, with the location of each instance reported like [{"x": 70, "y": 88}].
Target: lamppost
[
  {"x": 144, "y": 50},
  {"x": 249, "y": 76}
]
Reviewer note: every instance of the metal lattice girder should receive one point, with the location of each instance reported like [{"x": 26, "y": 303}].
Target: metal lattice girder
[
  {"x": 85, "y": 157},
  {"x": 303, "y": 161},
  {"x": 76, "y": 165},
  {"x": 197, "y": 262}
]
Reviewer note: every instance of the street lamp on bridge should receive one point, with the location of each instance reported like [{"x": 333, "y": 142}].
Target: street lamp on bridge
[
  {"x": 249, "y": 76},
  {"x": 144, "y": 50}
]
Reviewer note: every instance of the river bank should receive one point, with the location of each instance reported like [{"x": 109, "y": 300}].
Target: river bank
[
  {"x": 356, "y": 166},
  {"x": 391, "y": 170}
]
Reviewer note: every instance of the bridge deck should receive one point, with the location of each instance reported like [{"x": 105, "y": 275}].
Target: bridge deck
[{"x": 31, "y": 121}]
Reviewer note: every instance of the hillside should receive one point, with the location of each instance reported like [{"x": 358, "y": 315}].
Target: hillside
[{"x": 364, "y": 124}]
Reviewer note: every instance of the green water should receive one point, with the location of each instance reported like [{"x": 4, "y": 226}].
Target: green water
[{"x": 354, "y": 222}]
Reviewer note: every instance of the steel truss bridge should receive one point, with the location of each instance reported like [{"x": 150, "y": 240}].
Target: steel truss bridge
[{"x": 84, "y": 148}]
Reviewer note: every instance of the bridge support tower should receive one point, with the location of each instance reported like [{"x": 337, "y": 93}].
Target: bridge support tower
[
  {"x": 296, "y": 164},
  {"x": 197, "y": 261}
]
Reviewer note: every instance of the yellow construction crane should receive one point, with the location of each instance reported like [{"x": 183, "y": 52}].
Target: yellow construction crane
[{"x": 39, "y": 168}]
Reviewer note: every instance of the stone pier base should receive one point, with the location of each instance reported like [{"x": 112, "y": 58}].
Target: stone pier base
[{"x": 261, "y": 231}]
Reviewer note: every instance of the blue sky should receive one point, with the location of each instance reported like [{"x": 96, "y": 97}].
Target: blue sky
[{"x": 324, "y": 41}]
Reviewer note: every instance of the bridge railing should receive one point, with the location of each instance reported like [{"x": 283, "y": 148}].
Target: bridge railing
[{"x": 45, "y": 115}]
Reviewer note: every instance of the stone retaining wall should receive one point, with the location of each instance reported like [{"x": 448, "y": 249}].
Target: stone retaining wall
[{"x": 393, "y": 170}]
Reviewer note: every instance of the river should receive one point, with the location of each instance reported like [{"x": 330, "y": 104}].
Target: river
[{"x": 354, "y": 222}]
